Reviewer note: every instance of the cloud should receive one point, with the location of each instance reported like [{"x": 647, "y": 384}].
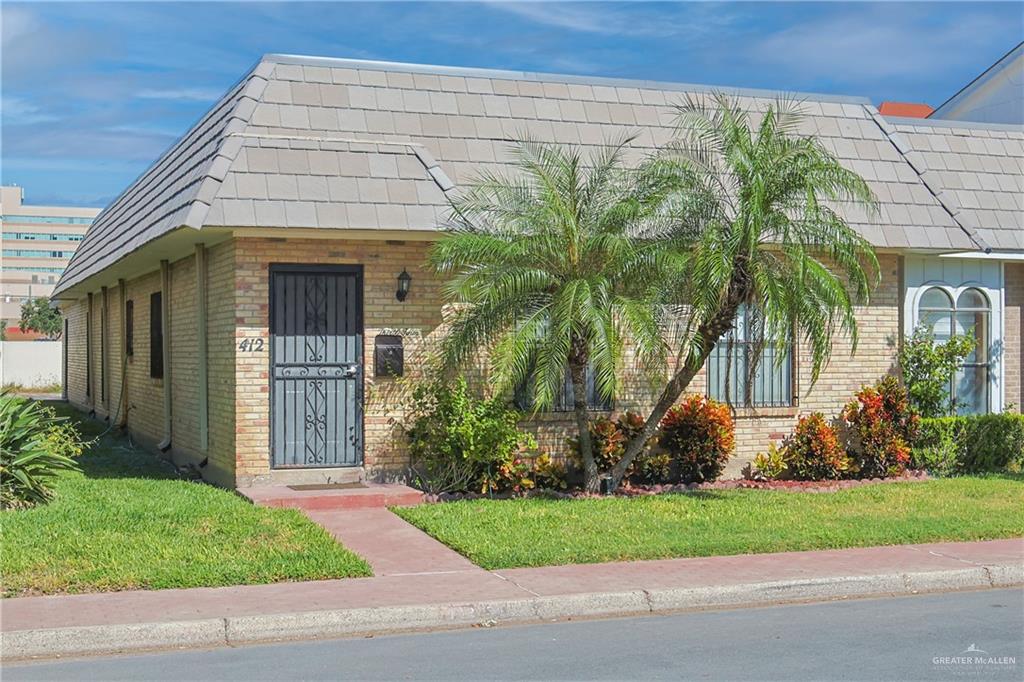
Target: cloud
[
  {"x": 182, "y": 94},
  {"x": 869, "y": 45},
  {"x": 18, "y": 111},
  {"x": 653, "y": 20}
]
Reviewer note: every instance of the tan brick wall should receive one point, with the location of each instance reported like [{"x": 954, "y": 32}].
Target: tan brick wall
[
  {"x": 416, "y": 319},
  {"x": 419, "y": 319},
  {"x": 144, "y": 402},
  {"x": 1013, "y": 350}
]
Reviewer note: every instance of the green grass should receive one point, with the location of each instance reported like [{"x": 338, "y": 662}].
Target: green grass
[
  {"x": 127, "y": 522},
  {"x": 536, "y": 532}
]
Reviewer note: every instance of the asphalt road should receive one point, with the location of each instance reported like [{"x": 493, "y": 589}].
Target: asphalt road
[{"x": 906, "y": 638}]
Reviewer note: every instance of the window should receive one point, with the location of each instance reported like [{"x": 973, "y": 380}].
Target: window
[
  {"x": 969, "y": 315},
  {"x": 730, "y": 361},
  {"x": 58, "y": 220},
  {"x": 129, "y": 327},
  {"x": 156, "y": 336},
  {"x": 563, "y": 401}
]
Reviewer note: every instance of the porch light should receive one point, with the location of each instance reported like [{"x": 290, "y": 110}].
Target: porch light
[{"x": 404, "y": 282}]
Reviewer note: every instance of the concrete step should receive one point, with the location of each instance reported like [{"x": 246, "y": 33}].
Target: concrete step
[{"x": 374, "y": 495}]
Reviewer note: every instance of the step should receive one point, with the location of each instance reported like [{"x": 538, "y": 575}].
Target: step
[{"x": 374, "y": 495}]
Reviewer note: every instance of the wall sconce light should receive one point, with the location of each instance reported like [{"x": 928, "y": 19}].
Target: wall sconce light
[{"x": 404, "y": 282}]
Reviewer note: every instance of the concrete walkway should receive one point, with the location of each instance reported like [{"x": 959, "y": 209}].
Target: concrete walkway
[{"x": 420, "y": 584}]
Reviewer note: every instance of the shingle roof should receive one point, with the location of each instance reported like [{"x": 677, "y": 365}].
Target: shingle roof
[
  {"x": 975, "y": 170},
  {"x": 332, "y": 143}
]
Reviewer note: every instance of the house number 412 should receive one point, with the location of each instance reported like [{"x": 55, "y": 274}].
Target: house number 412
[{"x": 251, "y": 346}]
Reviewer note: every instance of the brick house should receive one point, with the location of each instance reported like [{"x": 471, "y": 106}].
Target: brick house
[{"x": 231, "y": 306}]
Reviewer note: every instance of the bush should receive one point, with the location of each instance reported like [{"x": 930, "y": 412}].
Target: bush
[
  {"x": 609, "y": 438},
  {"x": 881, "y": 426},
  {"x": 813, "y": 451},
  {"x": 769, "y": 465},
  {"x": 698, "y": 436},
  {"x": 459, "y": 442},
  {"x": 35, "y": 445},
  {"x": 971, "y": 444},
  {"x": 547, "y": 474},
  {"x": 928, "y": 368}
]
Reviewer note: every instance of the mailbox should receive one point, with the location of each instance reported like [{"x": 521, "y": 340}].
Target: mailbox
[{"x": 388, "y": 356}]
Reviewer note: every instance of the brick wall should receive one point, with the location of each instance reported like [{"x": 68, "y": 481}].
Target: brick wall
[
  {"x": 143, "y": 407},
  {"x": 416, "y": 319},
  {"x": 419, "y": 320}
]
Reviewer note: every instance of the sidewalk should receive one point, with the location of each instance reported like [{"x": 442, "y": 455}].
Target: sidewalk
[{"x": 421, "y": 584}]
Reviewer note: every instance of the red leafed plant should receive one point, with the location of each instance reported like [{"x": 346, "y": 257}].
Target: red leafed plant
[
  {"x": 881, "y": 427},
  {"x": 813, "y": 451},
  {"x": 609, "y": 438},
  {"x": 698, "y": 434}
]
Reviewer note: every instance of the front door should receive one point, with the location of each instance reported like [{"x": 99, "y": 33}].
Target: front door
[{"x": 316, "y": 365}]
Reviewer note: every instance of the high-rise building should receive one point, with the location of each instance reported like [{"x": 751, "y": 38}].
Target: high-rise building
[{"x": 35, "y": 245}]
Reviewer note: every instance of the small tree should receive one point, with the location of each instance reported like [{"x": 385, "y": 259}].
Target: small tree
[
  {"x": 553, "y": 272},
  {"x": 928, "y": 368},
  {"x": 759, "y": 227},
  {"x": 38, "y": 315}
]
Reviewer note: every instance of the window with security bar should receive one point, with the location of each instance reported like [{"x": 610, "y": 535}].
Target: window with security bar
[{"x": 735, "y": 378}]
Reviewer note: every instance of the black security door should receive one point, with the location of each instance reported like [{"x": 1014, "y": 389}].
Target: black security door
[{"x": 316, "y": 349}]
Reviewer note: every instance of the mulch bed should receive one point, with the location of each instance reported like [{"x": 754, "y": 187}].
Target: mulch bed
[{"x": 628, "y": 490}]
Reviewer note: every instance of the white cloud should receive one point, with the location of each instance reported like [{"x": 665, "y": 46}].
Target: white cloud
[
  {"x": 633, "y": 20},
  {"x": 865, "y": 46},
  {"x": 19, "y": 111},
  {"x": 186, "y": 94}
]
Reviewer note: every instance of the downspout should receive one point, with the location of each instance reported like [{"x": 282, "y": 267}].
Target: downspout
[
  {"x": 165, "y": 349},
  {"x": 90, "y": 387},
  {"x": 104, "y": 351},
  {"x": 122, "y": 398},
  {"x": 201, "y": 348}
]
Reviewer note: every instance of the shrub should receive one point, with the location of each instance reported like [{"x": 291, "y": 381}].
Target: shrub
[
  {"x": 35, "y": 445},
  {"x": 881, "y": 426},
  {"x": 609, "y": 438},
  {"x": 813, "y": 451},
  {"x": 460, "y": 442},
  {"x": 698, "y": 435},
  {"x": 971, "y": 444},
  {"x": 769, "y": 465},
  {"x": 927, "y": 368},
  {"x": 548, "y": 474}
]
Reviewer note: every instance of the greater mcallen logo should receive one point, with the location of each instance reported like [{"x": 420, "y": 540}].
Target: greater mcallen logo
[{"x": 973, "y": 659}]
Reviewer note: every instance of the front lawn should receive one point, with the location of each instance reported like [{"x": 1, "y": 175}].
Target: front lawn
[
  {"x": 537, "y": 532},
  {"x": 127, "y": 522}
]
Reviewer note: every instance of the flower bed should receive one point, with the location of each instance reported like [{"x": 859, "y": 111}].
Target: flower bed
[{"x": 632, "y": 490}]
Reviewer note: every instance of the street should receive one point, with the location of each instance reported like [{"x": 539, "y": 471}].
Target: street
[{"x": 978, "y": 635}]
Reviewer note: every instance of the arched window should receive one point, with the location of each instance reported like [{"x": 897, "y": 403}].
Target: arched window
[{"x": 970, "y": 314}]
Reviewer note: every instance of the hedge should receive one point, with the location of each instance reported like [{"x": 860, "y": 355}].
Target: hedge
[{"x": 971, "y": 444}]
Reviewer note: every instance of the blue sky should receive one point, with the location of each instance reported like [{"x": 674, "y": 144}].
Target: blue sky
[{"x": 92, "y": 92}]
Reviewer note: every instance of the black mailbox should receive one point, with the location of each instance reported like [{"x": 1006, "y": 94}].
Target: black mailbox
[{"x": 388, "y": 356}]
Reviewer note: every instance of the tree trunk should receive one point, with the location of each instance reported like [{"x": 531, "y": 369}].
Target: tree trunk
[
  {"x": 578, "y": 373},
  {"x": 707, "y": 336}
]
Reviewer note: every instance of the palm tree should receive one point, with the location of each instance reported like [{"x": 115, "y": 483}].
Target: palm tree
[
  {"x": 552, "y": 271},
  {"x": 757, "y": 225}
]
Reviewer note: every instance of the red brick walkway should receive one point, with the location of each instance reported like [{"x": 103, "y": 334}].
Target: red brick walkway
[{"x": 389, "y": 544}]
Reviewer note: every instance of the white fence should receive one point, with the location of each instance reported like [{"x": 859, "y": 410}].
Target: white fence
[{"x": 31, "y": 364}]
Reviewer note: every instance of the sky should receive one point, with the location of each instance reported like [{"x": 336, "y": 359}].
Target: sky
[{"x": 92, "y": 93}]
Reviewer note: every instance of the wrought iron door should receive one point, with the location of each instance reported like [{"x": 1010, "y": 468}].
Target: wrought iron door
[{"x": 316, "y": 349}]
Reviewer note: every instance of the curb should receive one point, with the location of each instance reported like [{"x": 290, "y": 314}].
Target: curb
[{"x": 231, "y": 631}]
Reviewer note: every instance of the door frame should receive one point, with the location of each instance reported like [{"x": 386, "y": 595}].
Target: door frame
[{"x": 311, "y": 268}]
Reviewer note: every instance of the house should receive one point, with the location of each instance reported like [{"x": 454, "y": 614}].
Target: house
[
  {"x": 245, "y": 304},
  {"x": 995, "y": 96}
]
